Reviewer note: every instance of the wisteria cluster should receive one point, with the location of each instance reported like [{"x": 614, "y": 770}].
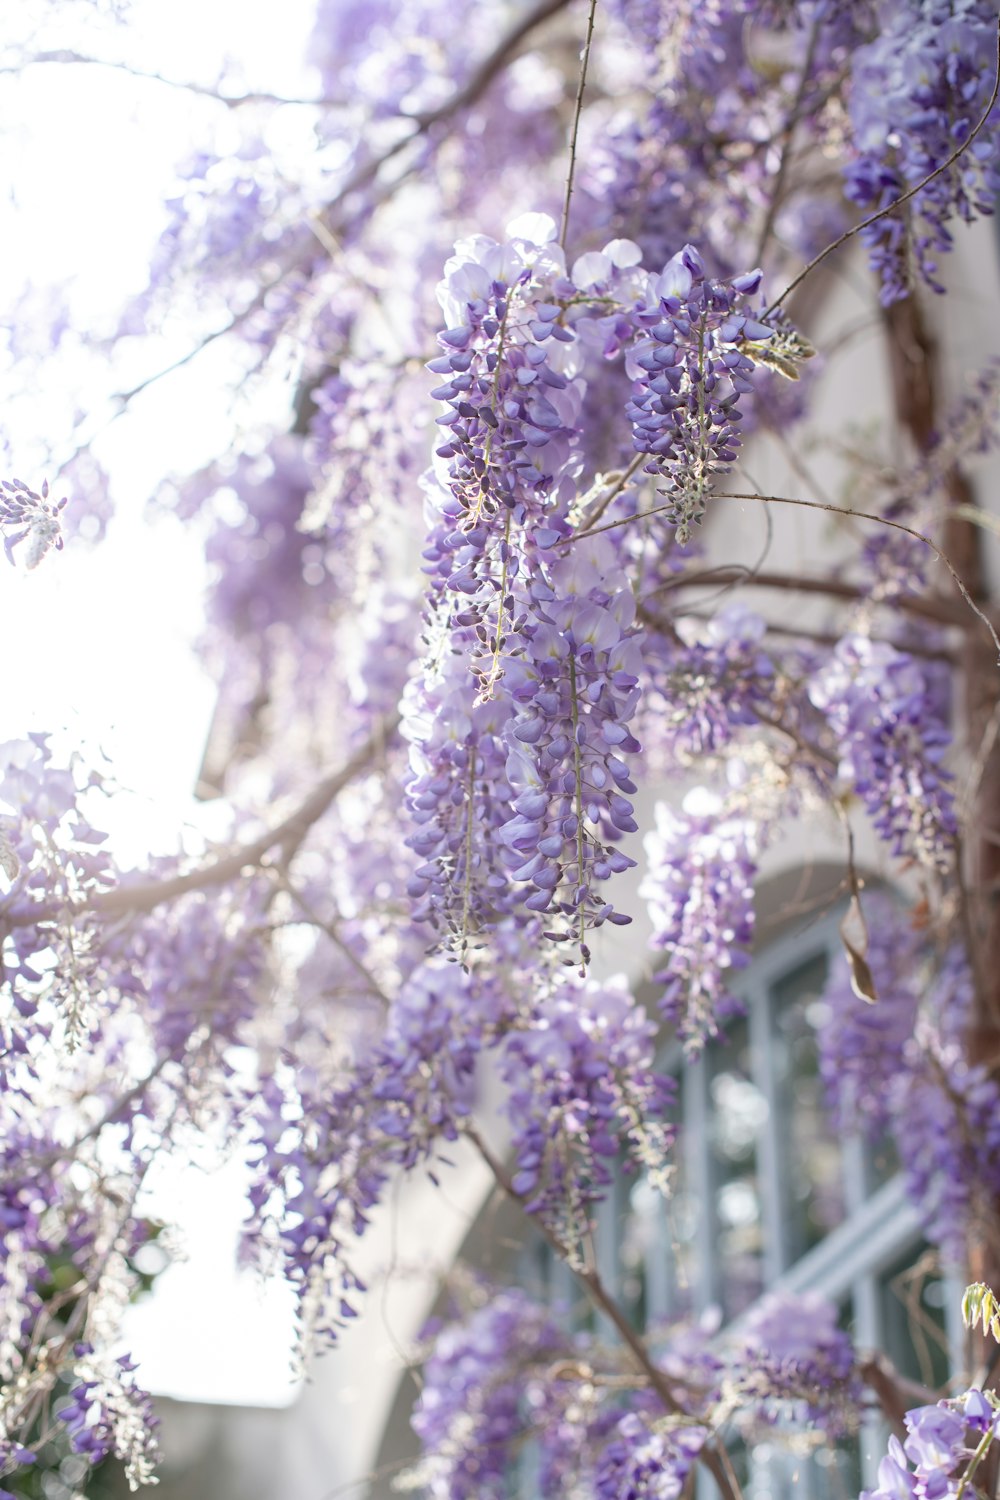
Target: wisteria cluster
[
  {"x": 944, "y": 1447},
  {"x": 917, "y": 92},
  {"x": 27, "y": 515},
  {"x": 875, "y": 701},
  {"x": 700, "y": 891},
  {"x": 899, "y": 1066},
  {"x": 471, "y": 1414},
  {"x": 583, "y": 1092},
  {"x": 506, "y": 1388},
  {"x": 575, "y": 689},
  {"x": 322, "y": 1157},
  {"x": 685, "y": 406},
  {"x": 106, "y": 1413},
  {"x": 473, "y": 610},
  {"x": 800, "y": 1365},
  {"x": 706, "y": 688},
  {"x": 54, "y": 860},
  {"x": 644, "y": 1459}
]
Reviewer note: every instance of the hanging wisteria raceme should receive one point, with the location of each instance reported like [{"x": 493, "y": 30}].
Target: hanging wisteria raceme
[
  {"x": 545, "y": 641},
  {"x": 644, "y": 1459},
  {"x": 891, "y": 746},
  {"x": 459, "y": 798},
  {"x": 706, "y": 688},
  {"x": 917, "y": 91},
  {"x": 573, "y": 677},
  {"x": 471, "y": 1416},
  {"x": 29, "y": 516},
  {"x": 513, "y": 387},
  {"x": 699, "y": 890},
  {"x": 691, "y": 374},
  {"x": 54, "y": 861},
  {"x": 899, "y": 1066},
  {"x": 944, "y": 1447},
  {"x": 583, "y": 1093},
  {"x": 800, "y": 1366},
  {"x": 322, "y": 1160},
  {"x": 106, "y": 1413}
]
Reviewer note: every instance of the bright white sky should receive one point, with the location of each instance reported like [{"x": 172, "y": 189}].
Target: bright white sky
[{"x": 99, "y": 643}]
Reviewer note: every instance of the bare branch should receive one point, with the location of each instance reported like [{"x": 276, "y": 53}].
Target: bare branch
[
  {"x": 136, "y": 898},
  {"x": 837, "y": 510},
  {"x": 939, "y": 609},
  {"x": 366, "y": 173},
  {"x": 577, "y": 111}
]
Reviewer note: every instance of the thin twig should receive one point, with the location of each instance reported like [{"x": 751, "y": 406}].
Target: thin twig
[
  {"x": 144, "y": 896},
  {"x": 290, "y": 831},
  {"x": 794, "y": 115},
  {"x": 329, "y": 930},
  {"x": 367, "y": 172},
  {"x": 897, "y": 202},
  {"x": 577, "y": 111},
  {"x": 837, "y": 510},
  {"x": 66, "y": 56},
  {"x": 940, "y": 610}
]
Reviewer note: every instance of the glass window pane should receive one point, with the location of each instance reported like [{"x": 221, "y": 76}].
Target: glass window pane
[
  {"x": 811, "y": 1172},
  {"x": 739, "y": 1115}
]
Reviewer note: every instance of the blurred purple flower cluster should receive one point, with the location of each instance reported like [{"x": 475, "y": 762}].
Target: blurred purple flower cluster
[
  {"x": 916, "y": 93},
  {"x": 899, "y": 1067},
  {"x": 583, "y": 1093},
  {"x": 943, "y": 1449},
  {"x": 700, "y": 892},
  {"x": 891, "y": 744}
]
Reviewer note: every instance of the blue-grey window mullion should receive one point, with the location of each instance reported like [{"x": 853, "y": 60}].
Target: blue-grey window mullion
[
  {"x": 700, "y": 1181},
  {"x": 954, "y": 1290},
  {"x": 762, "y": 1044},
  {"x": 657, "y": 1268},
  {"x": 563, "y": 1286},
  {"x": 855, "y": 1173},
  {"x": 607, "y": 1233},
  {"x": 868, "y": 1333}
]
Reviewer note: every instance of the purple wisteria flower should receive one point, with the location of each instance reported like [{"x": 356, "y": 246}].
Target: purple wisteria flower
[
  {"x": 54, "y": 860},
  {"x": 583, "y": 1090},
  {"x": 573, "y": 680},
  {"x": 899, "y": 1066},
  {"x": 29, "y": 516},
  {"x": 323, "y": 1156},
  {"x": 459, "y": 798},
  {"x": 648, "y": 1458},
  {"x": 916, "y": 92},
  {"x": 699, "y": 890},
  {"x": 943, "y": 1449},
  {"x": 471, "y": 1416},
  {"x": 107, "y": 1412},
  {"x": 691, "y": 373},
  {"x": 798, "y": 1364},
  {"x": 891, "y": 743},
  {"x": 707, "y": 687}
]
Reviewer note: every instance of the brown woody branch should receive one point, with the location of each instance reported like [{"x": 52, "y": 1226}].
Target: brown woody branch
[
  {"x": 286, "y": 836},
  {"x": 939, "y": 609},
  {"x": 718, "y": 1466},
  {"x": 367, "y": 172}
]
